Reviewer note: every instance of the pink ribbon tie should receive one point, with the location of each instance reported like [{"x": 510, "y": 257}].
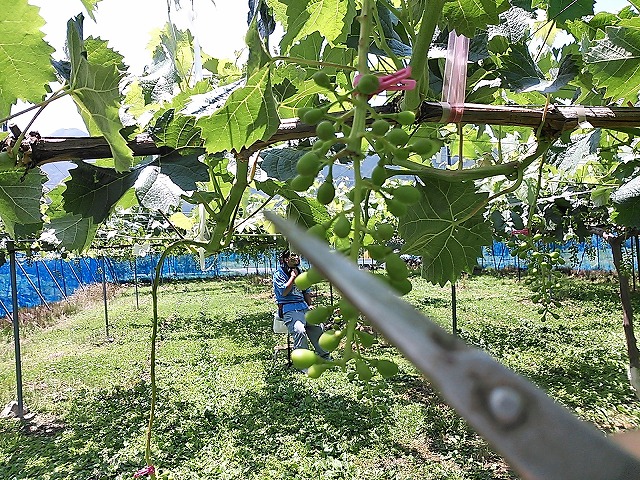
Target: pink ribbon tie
[
  {"x": 394, "y": 82},
  {"x": 148, "y": 470}
]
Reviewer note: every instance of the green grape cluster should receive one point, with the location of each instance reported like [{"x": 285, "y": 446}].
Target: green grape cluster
[{"x": 543, "y": 275}]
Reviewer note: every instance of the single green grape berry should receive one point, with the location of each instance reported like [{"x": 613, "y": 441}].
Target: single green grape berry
[
  {"x": 329, "y": 341},
  {"x": 313, "y": 116},
  {"x": 378, "y": 252},
  {"x": 554, "y": 255},
  {"x": 397, "y": 137},
  {"x": 368, "y": 84},
  {"x": 303, "y": 281},
  {"x": 317, "y": 315},
  {"x": 318, "y": 231},
  {"x": 407, "y": 194},
  {"x": 406, "y": 118},
  {"x": 319, "y": 146},
  {"x": 322, "y": 80},
  {"x": 316, "y": 370},
  {"x": 325, "y": 130},
  {"x": 385, "y": 231},
  {"x": 301, "y": 183},
  {"x": 314, "y": 275},
  {"x": 395, "y": 207},
  {"x": 380, "y": 127},
  {"x": 424, "y": 146},
  {"x": 363, "y": 370},
  {"x": 395, "y": 266},
  {"x": 326, "y": 192},
  {"x": 342, "y": 226},
  {"x": 302, "y": 111},
  {"x": 403, "y": 286},
  {"x": 308, "y": 164},
  {"x": 401, "y": 153},
  {"x": 379, "y": 175},
  {"x": 386, "y": 368},
  {"x": 365, "y": 338},
  {"x": 303, "y": 358},
  {"x": 347, "y": 309}
]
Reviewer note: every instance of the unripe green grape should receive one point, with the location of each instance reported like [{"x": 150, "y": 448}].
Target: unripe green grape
[
  {"x": 380, "y": 147},
  {"x": 403, "y": 286},
  {"x": 365, "y": 338},
  {"x": 322, "y": 80},
  {"x": 378, "y": 252},
  {"x": 317, "y": 315},
  {"x": 554, "y": 255},
  {"x": 407, "y": 194},
  {"x": 303, "y": 281},
  {"x": 378, "y": 175},
  {"x": 318, "y": 231},
  {"x": 301, "y": 183},
  {"x": 326, "y": 192},
  {"x": 385, "y": 231},
  {"x": 406, "y": 118},
  {"x": 302, "y": 111},
  {"x": 314, "y": 275},
  {"x": 401, "y": 153},
  {"x": 316, "y": 370},
  {"x": 342, "y": 226},
  {"x": 303, "y": 358},
  {"x": 386, "y": 368},
  {"x": 396, "y": 207},
  {"x": 397, "y": 137},
  {"x": 313, "y": 116},
  {"x": 329, "y": 341},
  {"x": 308, "y": 164},
  {"x": 423, "y": 146},
  {"x": 347, "y": 309},
  {"x": 380, "y": 127},
  {"x": 396, "y": 268},
  {"x": 368, "y": 84},
  {"x": 325, "y": 130},
  {"x": 363, "y": 370}
]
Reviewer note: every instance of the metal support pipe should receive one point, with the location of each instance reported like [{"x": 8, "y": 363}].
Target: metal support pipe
[
  {"x": 16, "y": 327},
  {"x": 104, "y": 296},
  {"x": 135, "y": 280},
  {"x": 454, "y": 310}
]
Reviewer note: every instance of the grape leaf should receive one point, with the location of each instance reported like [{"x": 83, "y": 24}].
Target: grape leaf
[
  {"x": 25, "y": 58},
  {"x": 177, "y": 132},
  {"x": 94, "y": 88},
  {"x": 561, "y": 10},
  {"x": 568, "y": 157},
  {"x": 280, "y": 163},
  {"x": 614, "y": 61},
  {"x": 91, "y": 6},
  {"x": 74, "y": 232},
  {"x": 465, "y": 16},
  {"x": 303, "y": 17},
  {"x": 436, "y": 229},
  {"x": 626, "y": 201},
  {"x": 248, "y": 115},
  {"x": 20, "y": 201},
  {"x": 523, "y": 75},
  {"x": 93, "y": 191}
]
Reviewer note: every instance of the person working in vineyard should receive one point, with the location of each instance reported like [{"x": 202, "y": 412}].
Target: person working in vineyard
[{"x": 293, "y": 303}]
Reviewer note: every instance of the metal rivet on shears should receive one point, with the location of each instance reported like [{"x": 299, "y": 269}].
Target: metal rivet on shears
[{"x": 505, "y": 405}]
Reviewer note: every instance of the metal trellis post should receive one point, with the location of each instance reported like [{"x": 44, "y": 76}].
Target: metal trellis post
[
  {"x": 16, "y": 326},
  {"x": 104, "y": 296}
]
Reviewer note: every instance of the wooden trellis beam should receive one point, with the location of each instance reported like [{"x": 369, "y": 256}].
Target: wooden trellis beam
[{"x": 555, "y": 120}]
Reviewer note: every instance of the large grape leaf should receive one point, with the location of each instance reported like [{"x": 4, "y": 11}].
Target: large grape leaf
[
  {"x": 523, "y": 75},
  {"x": 248, "y": 115},
  {"x": 614, "y": 61},
  {"x": 303, "y": 17},
  {"x": 561, "y": 10},
  {"x": 465, "y": 16},
  {"x": 568, "y": 157},
  {"x": 436, "y": 229},
  {"x": 25, "y": 58},
  {"x": 74, "y": 232},
  {"x": 178, "y": 132},
  {"x": 20, "y": 201},
  {"x": 93, "y": 191},
  {"x": 280, "y": 163},
  {"x": 161, "y": 184},
  {"x": 94, "y": 88},
  {"x": 626, "y": 201}
]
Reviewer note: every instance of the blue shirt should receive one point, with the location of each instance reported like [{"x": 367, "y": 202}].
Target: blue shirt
[{"x": 294, "y": 300}]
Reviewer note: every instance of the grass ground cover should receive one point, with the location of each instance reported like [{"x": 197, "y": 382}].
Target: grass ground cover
[{"x": 228, "y": 410}]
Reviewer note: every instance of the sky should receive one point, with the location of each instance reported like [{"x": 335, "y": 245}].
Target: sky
[{"x": 220, "y": 26}]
